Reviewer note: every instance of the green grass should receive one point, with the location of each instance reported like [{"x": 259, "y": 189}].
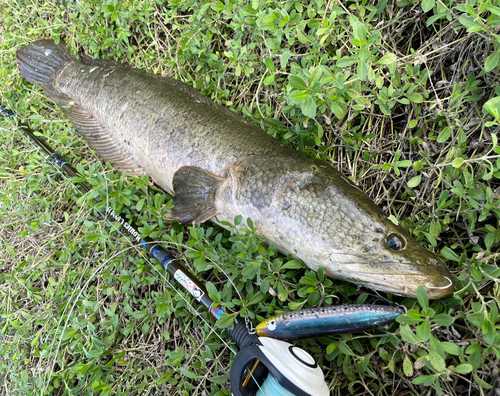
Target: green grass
[{"x": 403, "y": 97}]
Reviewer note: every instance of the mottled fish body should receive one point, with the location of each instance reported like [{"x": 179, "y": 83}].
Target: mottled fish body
[
  {"x": 324, "y": 321},
  {"x": 218, "y": 166}
]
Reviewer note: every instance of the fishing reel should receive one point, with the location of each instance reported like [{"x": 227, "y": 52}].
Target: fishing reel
[{"x": 270, "y": 367}]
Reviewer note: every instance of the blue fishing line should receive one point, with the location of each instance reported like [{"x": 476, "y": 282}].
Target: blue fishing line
[{"x": 271, "y": 387}]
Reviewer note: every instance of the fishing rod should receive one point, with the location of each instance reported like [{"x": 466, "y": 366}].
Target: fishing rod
[{"x": 262, "y": 366}]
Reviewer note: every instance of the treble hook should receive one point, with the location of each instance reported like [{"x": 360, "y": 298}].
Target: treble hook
[
  {"x": 393, "y": 303},
  {"x": 323, "y": 297}
]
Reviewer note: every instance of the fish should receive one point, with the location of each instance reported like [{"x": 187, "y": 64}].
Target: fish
[
  {"x": 328, "y": 320},
  {"x": 218, "y": 166}
]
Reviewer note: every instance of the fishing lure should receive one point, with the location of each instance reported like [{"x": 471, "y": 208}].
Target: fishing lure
[{"x": 322, "y": 321}]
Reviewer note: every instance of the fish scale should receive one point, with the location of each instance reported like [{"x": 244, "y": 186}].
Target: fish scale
[{"x": 219, "y": 167}]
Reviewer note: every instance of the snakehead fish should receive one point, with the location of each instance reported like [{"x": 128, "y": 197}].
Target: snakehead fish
[{"x": 218, "y": 166}]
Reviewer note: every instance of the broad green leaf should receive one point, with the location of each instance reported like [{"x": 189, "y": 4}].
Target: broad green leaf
[
  {"x": 425, "y": 379},
  {"x": 415, "y": 97},
  {"x": 331, "y": 347},
  {"x": 298, "y": 96},
  {"x": 308, "y": 107},
  {"x": 140, "y": 204},
  {"x": 316, "y": 74},
  {"x": 384, "y": 109},
  {"x": 492, "y": 106},
  {"x": 413, "y": 124},
  {"x": 339, "y": 108},
  {"x": 408, "y": 367},
  {"x": 391, "y": 365},
  {"x": 283, "y": 295},
  {"x": 494, "y": 10},
  {"x": 292, "y": 264},
  {"x": 470, "y": 10},
  {"x": 362, "y": 71},
  {"x": 423, "y": 331},
  {"x": 414, "y": 314},
  {"x": 451, "y": 348},
  {"x": 443, "y": 319},
  {"x": 344, "y": 348},
  {"x": 435, "y": 345},
  {"x": 436, "y": 361},
  {"x": 422, "y": 298},
  {"x": 346, "y": 61},
  {"x": 226, "y": 320},
  {"x": 285, "y": 56},
  {"x": 458, "y": 162},
  {"x": 475, "y": 360},
  {"x": 387, "y": 59},
  {"x": 408, "y": 335},
  {"x": 257, "y": 298},
  {"x": 408, "y": 320},
  {"x": 297, "y": 83},
  {"x": 444, "y": 135},
  {"x": 428, "y": 5},
  {"x": 10, "y": 250},
  {"x": 489, "y": 331},
  {"x": 415, "y": 181},
  {"x": 269, "y": 80},
  {"x": 463, "y": 368},
  {"x": 492, "y": 61},
  {"x": 219, "y": 379},
  {"x": 488, "y": 240},
  {"x": 359, "y": 31},
  {"x": 449, "y": 254},
  {"x": 434, "y": 228},
  {"x": 270, "y": 64},
  {"x": 189, "y": 374},
  {"x": 295, "y": 305}
]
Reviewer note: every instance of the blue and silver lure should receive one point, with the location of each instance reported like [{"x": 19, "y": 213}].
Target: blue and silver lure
[{"x": 324, "y": 321}]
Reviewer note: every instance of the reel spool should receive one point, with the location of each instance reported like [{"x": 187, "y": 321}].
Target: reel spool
[{"x": 271, "y": 367}]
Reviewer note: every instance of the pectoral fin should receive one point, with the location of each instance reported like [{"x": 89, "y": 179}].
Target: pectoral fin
[{"x": 195, "y": 190}]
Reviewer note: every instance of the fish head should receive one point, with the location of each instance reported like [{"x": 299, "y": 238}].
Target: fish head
[
  {"x": 397, "y": 263},
  {"x": 354, "y": 239},
  {"x": 313, "y": 212}
]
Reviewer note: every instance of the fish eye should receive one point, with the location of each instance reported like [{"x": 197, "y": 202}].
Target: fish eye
[{"x": 395, "y": 242}]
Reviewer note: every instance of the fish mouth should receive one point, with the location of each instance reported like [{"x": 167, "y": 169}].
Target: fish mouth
[
  {"x": 439, "y": 288},
  {"x": 400, "y": 278}
]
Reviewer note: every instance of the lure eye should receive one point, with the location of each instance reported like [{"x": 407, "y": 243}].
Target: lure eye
[
  {"x": 271, "y": 325},
  {"x": 395, "y": 242}
]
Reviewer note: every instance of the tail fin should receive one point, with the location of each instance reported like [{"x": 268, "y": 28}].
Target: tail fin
[{"x": 41, "y": 61}]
